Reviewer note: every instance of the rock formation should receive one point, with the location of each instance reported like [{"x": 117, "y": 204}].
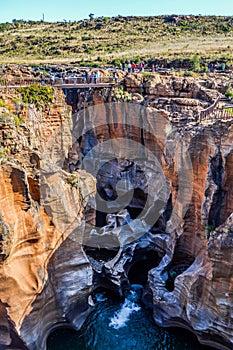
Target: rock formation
[
  {"x": 197, "y": 294},
  {"x": 40, "y": 208},
  {"x": 161, "y": 215}
]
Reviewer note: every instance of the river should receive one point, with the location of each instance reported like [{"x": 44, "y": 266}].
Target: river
[{"x": 122, "y": 325}]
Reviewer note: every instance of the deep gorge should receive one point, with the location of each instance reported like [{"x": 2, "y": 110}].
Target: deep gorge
[{"x": 107, "y": 194}]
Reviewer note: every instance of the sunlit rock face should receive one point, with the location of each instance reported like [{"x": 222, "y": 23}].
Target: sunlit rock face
[
  {"x": 41, "y": 206},
  {"x": 199, "y": 296},
  {"x": 181, "y": 278},
  {"x": 114, "y": 195}
]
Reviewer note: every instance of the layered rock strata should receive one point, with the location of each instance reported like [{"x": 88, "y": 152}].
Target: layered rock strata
[
  {"x": 40, "y": 207},
  {"x": 182, "y": 282},
  {"x": 162, "y": 208}
]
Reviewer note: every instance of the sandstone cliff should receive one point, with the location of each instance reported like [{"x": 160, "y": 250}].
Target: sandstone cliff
[
  {"x": 161, "y": 216},
  {"x": 40, "y": 208}
]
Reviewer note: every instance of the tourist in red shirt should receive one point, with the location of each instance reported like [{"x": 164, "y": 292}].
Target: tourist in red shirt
[{"x": 133, "y": 67}]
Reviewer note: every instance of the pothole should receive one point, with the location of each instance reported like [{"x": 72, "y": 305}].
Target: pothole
[{"x": 138, "y": 272}]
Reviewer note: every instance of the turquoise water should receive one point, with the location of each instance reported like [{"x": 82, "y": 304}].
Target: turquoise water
[{"x": 118, "y": 325}]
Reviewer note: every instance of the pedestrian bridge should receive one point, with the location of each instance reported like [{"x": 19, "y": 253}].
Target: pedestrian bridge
[{"x": 61, "y": 83}]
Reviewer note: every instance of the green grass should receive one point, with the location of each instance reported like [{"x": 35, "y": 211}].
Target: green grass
[{"x": 110, "y": 40}]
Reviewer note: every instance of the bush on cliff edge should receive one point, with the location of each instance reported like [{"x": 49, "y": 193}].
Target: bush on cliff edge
[{"x": 36, "y": 94}]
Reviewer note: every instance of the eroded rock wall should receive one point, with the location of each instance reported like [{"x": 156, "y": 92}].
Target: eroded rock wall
[
  {"x": 183, "y": 284},
  {"x": 200, "y": 298},
  {"x": 46, "y": 276},
  {"x": 40, "y": 207}
]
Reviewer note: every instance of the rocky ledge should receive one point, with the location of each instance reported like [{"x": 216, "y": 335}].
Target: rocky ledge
[{"x": 173, "y": 234}]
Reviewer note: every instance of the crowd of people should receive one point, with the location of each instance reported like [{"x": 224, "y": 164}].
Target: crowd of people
[
  {"x": 94, "y": 76},
  {"x": 215, "y": 66},
  {"x": 131, "y": 66}
]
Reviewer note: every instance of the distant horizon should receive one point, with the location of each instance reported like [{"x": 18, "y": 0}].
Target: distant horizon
[
  {"x": 96, "y": 17},
  {"x": 75, "y": 10}
]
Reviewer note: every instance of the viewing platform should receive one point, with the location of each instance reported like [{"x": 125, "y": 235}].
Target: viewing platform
[
  {"x": 62, "y": 83},
  {"x": 219, "y": 109}
]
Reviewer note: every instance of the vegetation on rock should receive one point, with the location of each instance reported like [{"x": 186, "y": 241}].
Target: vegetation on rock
[
  {"x": 229, "y": 92},
  {"x": 36, "y": 94},
  {"x": 73, "y": 180},
  {"x": 120, "y": 93},
  {"x": 113, "y": 40}
]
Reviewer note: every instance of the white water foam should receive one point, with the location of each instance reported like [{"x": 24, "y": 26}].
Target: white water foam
[{"x": 122, "y": 316}]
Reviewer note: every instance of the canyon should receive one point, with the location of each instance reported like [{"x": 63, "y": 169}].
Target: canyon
[{"x": 107, "y": 187}]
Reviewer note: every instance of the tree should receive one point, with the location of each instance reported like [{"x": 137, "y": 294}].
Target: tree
[
  {"x": 195, "y": 62},
  {"x": 91, "y": 15}
]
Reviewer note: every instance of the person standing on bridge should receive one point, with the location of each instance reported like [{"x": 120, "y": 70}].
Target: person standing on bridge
[
  {"x": 97, "y": 74},
  {"x": 85, "y": 77},
  {"x": 115, "y": 76},
  {"x": 93, "y": 77},
  {"x": 52, "y": 79}
]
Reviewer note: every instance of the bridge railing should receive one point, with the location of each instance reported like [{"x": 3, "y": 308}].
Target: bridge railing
[
  {"x": 207, "y": 112},
  {"x": 79, "y": 80},
  {"x": 225, "y": 113},
  {"x": 215, "y": 112},
  {"x": 85, "y": 80},
  {"x": 18, "y": 81}
]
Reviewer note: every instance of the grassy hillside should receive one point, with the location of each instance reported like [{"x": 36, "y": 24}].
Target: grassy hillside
[{"x": 109, "y": 40}]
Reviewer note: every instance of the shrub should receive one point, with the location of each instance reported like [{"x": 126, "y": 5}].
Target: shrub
[
  {"x": 136, "y": 59},
  {"x": 229, "y": 111},
  {"x": 224, "y": 28},
  {"x": 229, "y": 92},
  {"x": 3, "y": 154},
  {"x": 4, "y": 26},
  {"x": 116, "y": 62},
  {"x": 189, "y": 73},
  {"x": 120, "y": 93},
  {"x": 5, "y": 117},
  {"x": 183, "y": 23},
  {"x": 16, "y": 100},
  {"x": 3, "y": 104},
  {"x": 36, "y": 94},
  {"x": 93, "y": 64},
  {"x": 72, "y": 179},
  {"x": 17, "y": 121},
  {"x": 195, "y": 63},
  {"x": 147, "y": 74}
]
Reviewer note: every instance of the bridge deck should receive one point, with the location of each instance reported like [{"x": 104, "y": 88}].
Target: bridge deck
[
  {"x": 66, "y": 83},
  {"x": 83, "y": 86},
  {"x": 66, "y": 86}
]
